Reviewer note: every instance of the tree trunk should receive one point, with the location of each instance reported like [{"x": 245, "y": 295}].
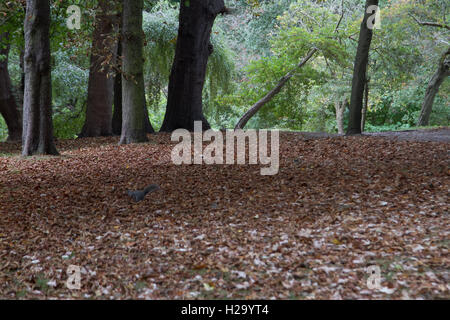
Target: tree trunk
[
  {"x": 117, "y": 114},
  {"x": 339, "y": 107},
  {"x": 147, "y": 124},
  {"x": 37, "y": 114},
  {"x": 21, "y": 90},
  {"x": 8, "y": 105},
  {"x": 187, "y": 78},
  {"x": 22, "y": 66},
  {"x": 100, "y": 88},
  {"x": 359, "y": 72},
  {"x": 134, "y": 124},
  {"x": 433, "y": 87},
  {"x": 366, "y": 104},
  {"x": 258, "y": 105}
]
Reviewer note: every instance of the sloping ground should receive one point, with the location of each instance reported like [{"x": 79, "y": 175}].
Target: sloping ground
[{"x": 337, "y": 206}]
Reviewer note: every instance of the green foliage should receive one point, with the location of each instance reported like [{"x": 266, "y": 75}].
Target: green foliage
[
  {"x": 319, "y": 108},
  {"x": 69, "y": 79},
  {"x": 405, "y": 58},
  {"x": 67, "y": 124},
  {"x": 400, "y": 66},
  {"x": 254, "y": 47},
  {"x": 69, "y": 92},
  {"x": 161, "y": 29},
  {"x": 12, "y": 15},
  {"x": 3, "y": 129},
  {"x": 297, "y": 32},
  {"x": 262, "y": 23},
  {"x": 401, "y": 108},
  {"x": 157, "y": 115},
  {"x": 160, "y": 26}
]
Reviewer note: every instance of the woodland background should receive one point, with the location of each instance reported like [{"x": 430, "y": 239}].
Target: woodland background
[{"x": 253, "y": 48}]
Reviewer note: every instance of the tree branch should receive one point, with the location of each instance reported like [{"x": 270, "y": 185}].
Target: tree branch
[
  {"x": 430, "y": 24},
  {"x": 341, "y": 17},
  {"x": 258, "y": 105}
]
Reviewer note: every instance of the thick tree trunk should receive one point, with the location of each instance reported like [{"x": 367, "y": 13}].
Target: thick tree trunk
[
  {"x": 100, "y": 88},
  {"x": 272, "y": 93},
  {"x": 134, "y": 124},
  {"x": 359, "y": 72},
  {"x": 8, "y": 105},
  {"x": 366, "y": 104},
  {"x": 117, "y": 114},
  {"x": 433, "y": 87},
  {"x": 37, "y": 114},
  {"x": 339, "y": 106},
  {"x": 187, "y": 78}
]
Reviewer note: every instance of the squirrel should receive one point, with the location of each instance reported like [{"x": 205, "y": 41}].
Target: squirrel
[{"x": 139, "y": 195}]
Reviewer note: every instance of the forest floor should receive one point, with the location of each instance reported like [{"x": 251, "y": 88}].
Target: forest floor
[
  {"x": 430, "y": 135},
  {"x": 337, "y": 206}
]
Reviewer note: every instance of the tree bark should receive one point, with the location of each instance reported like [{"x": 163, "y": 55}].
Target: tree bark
[
  {"x": 258, "y": 105},
  {"x": 187, "y": 78},
  {"x": 37, "y": 135},
  {"x": 366, "y": 104},
  {"x": 339, "y": 106},
  {"x": 117, "y": 114},
  {"x": 433, "y": 87},
  {"x": 134, "y": 124},
  {"x": 359, "y": 72},
  {"x": 8, "y": 105},
  {"x": 147, "y": 125},
  {"x": 22, "y": 77},
  {"x": 100, "y": 88}
]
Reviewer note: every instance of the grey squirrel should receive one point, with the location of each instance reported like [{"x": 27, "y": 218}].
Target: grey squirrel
[{"x": 139, "y": 195}]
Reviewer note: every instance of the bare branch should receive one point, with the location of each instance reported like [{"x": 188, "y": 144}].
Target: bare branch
[
  {"x": 342, "y": 16},
  {"x": 430, "y": 24}
]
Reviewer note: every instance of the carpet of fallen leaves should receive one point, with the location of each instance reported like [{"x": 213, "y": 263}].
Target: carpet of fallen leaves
[{"x": 337, "y": 206}]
